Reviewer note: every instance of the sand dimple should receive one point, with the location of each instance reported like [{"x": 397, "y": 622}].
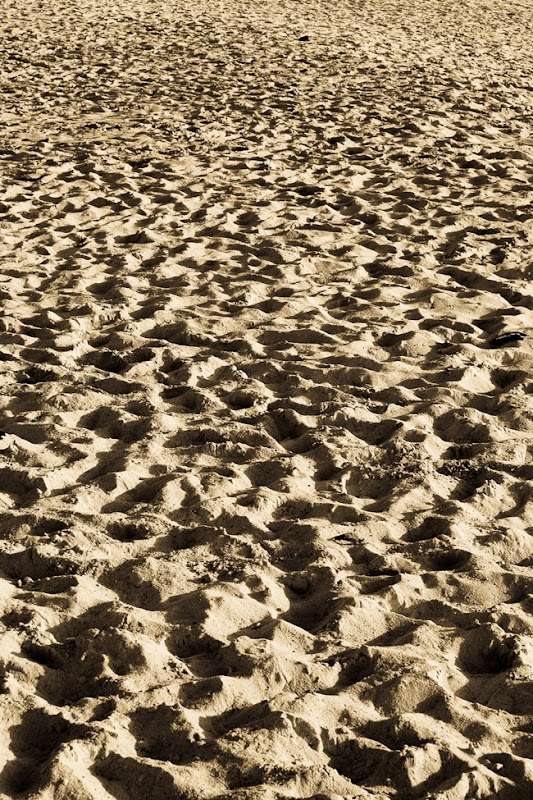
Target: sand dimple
[{"x": 266, "y": 411}]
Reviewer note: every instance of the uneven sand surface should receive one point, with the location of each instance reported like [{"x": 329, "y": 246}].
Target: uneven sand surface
[{"x": 266, "y": 508}]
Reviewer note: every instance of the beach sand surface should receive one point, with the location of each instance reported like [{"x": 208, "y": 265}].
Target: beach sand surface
[{"x": 266, "y": 400}]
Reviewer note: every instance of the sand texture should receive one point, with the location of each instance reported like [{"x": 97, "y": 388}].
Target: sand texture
[{"x": 266, "y": 395}]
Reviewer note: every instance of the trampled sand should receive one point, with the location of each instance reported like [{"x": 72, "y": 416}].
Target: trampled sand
[{"x": 266, "y": 350}]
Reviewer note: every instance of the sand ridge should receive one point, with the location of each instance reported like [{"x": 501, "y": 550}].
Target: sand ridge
[{"x": 265, "y": 351}]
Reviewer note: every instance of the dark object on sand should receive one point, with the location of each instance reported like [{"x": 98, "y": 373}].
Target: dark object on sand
[
  {"x": 304, "y": 38},
  {"x": 507, "y": 338}
]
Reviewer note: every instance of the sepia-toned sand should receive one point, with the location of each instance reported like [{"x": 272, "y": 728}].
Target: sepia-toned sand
[{"x": 266, "y": 389}]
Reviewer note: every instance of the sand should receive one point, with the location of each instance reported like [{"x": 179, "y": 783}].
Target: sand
[{"x": 266, "y": 519}]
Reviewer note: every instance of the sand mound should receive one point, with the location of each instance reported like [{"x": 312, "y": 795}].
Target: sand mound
[{"x": 265, "y": 347}]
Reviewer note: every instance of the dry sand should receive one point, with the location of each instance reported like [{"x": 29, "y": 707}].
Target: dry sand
[{"x": 266, "y": 510}]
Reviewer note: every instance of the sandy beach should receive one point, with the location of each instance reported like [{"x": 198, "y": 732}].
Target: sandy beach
[{"x": 266, "y": 400}]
